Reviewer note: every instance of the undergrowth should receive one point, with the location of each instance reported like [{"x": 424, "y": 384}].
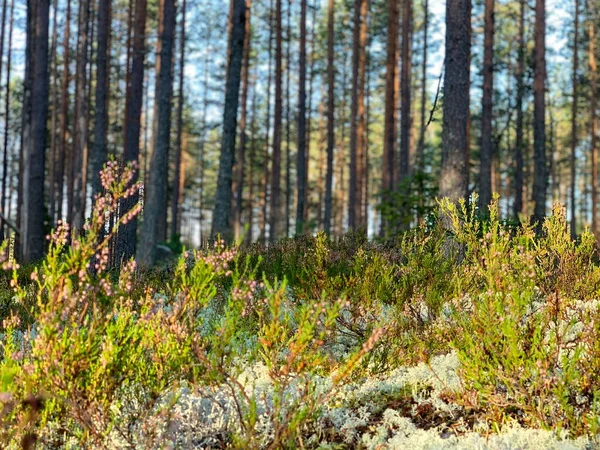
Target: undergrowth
[{"x": 98, "y": 358}]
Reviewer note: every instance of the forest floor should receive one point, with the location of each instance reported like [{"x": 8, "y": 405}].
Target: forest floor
[{"x": 492, "y": 342}]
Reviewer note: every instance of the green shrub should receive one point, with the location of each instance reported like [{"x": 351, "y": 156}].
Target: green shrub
[
  {"x": 102, "y": 361},
  {"x": 527, "y": 338}
]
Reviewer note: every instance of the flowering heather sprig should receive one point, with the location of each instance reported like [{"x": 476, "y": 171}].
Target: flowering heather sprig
[
  {"x": 112, "y": 175},
  {"x": 126, "y": 276},
  {"x": 102, "y": 259},
  {"x": 60, "y": 235},
  {"x": 220, "y": 258},
  {"x": 246, "y": 293},
  {"x": 10, "y": 265}
]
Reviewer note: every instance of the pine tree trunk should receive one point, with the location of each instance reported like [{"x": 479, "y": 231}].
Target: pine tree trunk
[
  {"x": 420, "y": 163},
  {"x": 357, "y": 107},
  {"x": 99, "y": 154},
  {"x": 487, "y": 146},
  {"x": 155, "y": 208},
  {"x": 252, "y": 166},
  {"x": 275, "y": 212},
  {"x": 54, "y": 117},
  {"x": 311, "y": 77},
  {"x": 405, "y": 92},
  {"x": 33, "y": 234},
  {"x": 80, "y": 136},
  {"x": 301, "y": 162},
  {"x": 5, "y": 199},
  {"x": 240, "y": 163},
  {"x": 518, "y": 203},
  {"x": 221, "y": 220},
  {"x": 340, "y": 157},
  {"x": 352, "y": 194},
  {"x": 288, "y": 123},
  {"x": 574, "y": 123},
  {"x": 64, "y": 119},
  {"x": 389, "y": 132},
  {"x": 322, "y": 161},
  {"x": 539, "y": 114},
  {"x": 330, "y": 119},
  {"x": 454, "y": 180},
  {"x": 126, "y": 241},
  {"x": 593, "y": 118},
  {"x": 265, "y": 169},
  {"x": 360, "y": 223},
  {"x": 176, "y": 204}
]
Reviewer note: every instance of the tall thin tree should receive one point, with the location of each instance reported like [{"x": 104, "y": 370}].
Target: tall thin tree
[
  {"x": 420, "y": 157},
  {"x": 389, "y": 120},
  {"x": 330, "y": 118},
  {"x": 54, "y": 117},
  {"x": 573, "y": 161},
  {"x": 593, "y": 68},
  {"x": 5, "y": 200},
  {"x": 519, "y": 148},
  {"x": 487, "y": 144},
  {"x": 126, "y": 240},
  {"x": 64, "y": 118},
  {"x": 274, "y": 218},
  {"x": 539, "y": 113},
  {"x": 78, "y": 179},
  {"x": 155, "y": 207},
  {"x": 99, "y": 153},
  {"x": 34, "y": 152},
  {"x": 405, "y": 91},
  {"x": 454, "y": 179},
  {"x": 301, "y": 161},
  {"x": 265, "y": 169},
  {"x": 176, "y": 201},
  {"x": 357, "y": 115},
  {"x": 221, "y": 221},
  {"x": 241, "y": 148}
]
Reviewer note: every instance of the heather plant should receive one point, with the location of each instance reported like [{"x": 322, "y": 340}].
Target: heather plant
[
  {"x": 527, "y": 347},
  {"x": 102, "y": 361}
]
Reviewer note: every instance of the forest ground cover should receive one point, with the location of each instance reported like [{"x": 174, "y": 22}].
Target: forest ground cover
[{"x": 479, "y": 334}]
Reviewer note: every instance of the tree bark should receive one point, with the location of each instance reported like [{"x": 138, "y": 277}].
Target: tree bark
[
  {"x": 238, "y": 185},
  {"x": 357, "y": 117},
  {"x": 126, "y": 240},
  {"x": 593, "y": 66},
  {"x": 155, "y": 207},
  {"x": 405, "y": 91},
  {"x": 574, "y": 123},
  {"x": 301, "y": 162},
  {"x": 389, "y": 132},
  {"x": 99, "y": 154},
  {"x": 53, "y": 128},
  {"x": 221, "y": 221},
  {"x": 64, "y": 119},
  {"x": 288, "y": 125},
  {"x": 454, "y": 180},
  {"x": 519, "y": 148},
  {"x": 420, "y": 162},
  {"x": 33, "y": 235},
  {"x": 80, "y": 137},
  {"x": 330, "y": 120},
  {"x": 265, "y": 171},
  {"x": 277, "y": 126},
  {"x": 252, "y": 165},
  {"x": 311, "y": 74},
  {"x": 539, "y": 114},
  {"x": 487, "y": 145},
  {"x": 5, "y": 200},
  {"x": 176, "y": 203}
]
